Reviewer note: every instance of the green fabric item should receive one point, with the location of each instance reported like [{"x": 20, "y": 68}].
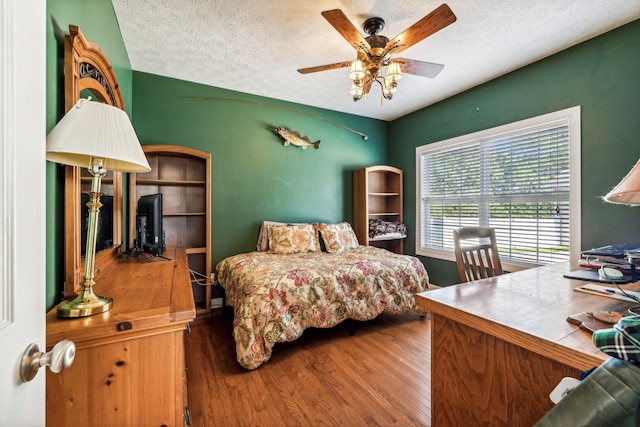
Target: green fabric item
[
  {"x": 622, "y": 341},
  {"x": 608, "y": 397}
]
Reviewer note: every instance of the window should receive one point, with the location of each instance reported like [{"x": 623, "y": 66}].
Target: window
[{"x": 523, "y": 179}]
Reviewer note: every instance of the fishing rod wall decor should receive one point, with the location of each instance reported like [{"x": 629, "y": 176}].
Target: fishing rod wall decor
[{"x": 262, "y": 104}]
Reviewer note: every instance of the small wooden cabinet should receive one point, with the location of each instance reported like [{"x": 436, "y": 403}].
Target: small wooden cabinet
[
  {"x": 377, "y": 194},
  {"x": 129, "y": 368},
  {"x": 182, "y": 175}
]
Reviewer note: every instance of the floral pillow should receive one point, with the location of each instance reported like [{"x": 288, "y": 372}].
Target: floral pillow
[
  {"x": 263, "y": 237},
  {"x": 293, "y": 239},
  {"x": 338, "y": 237}
]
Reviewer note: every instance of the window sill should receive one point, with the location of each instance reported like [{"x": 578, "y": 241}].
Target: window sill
[{"x": 507, "y": 265}]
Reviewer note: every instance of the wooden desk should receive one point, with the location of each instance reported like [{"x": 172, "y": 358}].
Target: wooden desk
[
  {"x": 129, "y": 368},
  {"x": 500, "y": 345}
]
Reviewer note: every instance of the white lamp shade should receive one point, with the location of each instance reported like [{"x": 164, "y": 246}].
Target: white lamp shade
[
  {"x": 628, "y": 190},
  {"x": 96, "y": 130}
]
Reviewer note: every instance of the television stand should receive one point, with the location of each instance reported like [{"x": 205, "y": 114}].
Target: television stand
[
  {"x": 151, "y": 250},
  {"x": 155, "y": 256},
  {"x": 154, "y": 251}
]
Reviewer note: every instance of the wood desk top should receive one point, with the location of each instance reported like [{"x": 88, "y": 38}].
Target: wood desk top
[
  {"x": 529, "y": 308},
  {"x": 147, "y": 297}
]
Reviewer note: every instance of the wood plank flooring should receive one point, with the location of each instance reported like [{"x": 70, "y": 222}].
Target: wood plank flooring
[{"x": 378, "y": 377}]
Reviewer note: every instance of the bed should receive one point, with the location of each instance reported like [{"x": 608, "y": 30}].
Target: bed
[{"x": 291, "y": 284}]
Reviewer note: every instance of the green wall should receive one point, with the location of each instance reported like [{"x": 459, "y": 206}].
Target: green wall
[
  {"x": 601, "y": 75},
  {"x": 254, "y": 177},
  {"x": 97, "y": 20}
]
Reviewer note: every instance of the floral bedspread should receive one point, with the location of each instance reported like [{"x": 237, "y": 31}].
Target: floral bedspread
[{"x": 276, "y": 297}]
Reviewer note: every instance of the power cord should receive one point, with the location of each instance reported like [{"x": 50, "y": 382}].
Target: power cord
[
  {"x": 632, "y": 310},
  {"x": 201, "y": 279}
]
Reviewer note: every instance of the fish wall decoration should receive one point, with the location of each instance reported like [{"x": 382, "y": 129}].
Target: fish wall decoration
[{"x": 293, "y": 137}]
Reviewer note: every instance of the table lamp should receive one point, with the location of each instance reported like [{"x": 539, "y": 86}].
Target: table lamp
[
  {"x": 99, "y": 137},
  {"x": 627, "y": 192}
]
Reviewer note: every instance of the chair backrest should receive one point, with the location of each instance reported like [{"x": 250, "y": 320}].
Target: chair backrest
[{"x": 479, "y": 260}]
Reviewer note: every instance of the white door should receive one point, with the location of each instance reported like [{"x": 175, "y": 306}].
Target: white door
[{"x": 22, "y": 205}]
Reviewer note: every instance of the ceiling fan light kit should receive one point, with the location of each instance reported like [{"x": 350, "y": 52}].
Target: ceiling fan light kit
[{"x": 374, "y": 51}]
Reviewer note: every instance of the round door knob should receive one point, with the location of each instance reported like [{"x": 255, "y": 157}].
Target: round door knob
[{"x": 58, "y": 359}]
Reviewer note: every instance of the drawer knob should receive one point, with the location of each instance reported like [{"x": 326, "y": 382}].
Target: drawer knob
[{"x": 123, "y": 326}]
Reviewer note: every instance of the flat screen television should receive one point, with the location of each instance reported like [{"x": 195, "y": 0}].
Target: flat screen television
[
  {"x": 150, "y": 237},
  {"x": 104, "y": 237}
]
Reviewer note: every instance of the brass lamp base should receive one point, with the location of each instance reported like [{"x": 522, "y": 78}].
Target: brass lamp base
[{"x": 85, "y": 304}]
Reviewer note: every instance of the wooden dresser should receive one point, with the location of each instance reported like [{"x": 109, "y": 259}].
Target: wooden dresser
[{"x": 129, "y": 368}]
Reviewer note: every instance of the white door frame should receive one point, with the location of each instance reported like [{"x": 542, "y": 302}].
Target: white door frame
[{"x": 22, "y": 205}]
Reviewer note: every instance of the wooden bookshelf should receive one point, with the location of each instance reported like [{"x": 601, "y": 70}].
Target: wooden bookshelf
[
  {"x": 182, "y": 175},
  {"x": 377, "y": 194}
]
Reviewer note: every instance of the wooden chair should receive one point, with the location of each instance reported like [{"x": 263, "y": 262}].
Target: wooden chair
[{"x": 480, "y": 260}]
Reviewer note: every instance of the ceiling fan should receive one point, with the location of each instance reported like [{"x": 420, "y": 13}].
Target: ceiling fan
[{"x": 374, "y": 51}]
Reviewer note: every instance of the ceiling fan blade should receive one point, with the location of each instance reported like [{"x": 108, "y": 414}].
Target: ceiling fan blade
[
  {"x": 419, "y": 68},
  {"x": 341, "y": 23},
  {"x": 430, "y": 24},
  {"x": 367, "y": 85},
  {"x": 327, "y": 67}
]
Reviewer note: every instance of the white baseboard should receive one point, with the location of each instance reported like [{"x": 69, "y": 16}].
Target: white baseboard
[{"x": 216, "y": 302}]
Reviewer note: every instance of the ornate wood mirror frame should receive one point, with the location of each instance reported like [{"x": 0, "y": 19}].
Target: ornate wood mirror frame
[{"x": 86, "y": 68}]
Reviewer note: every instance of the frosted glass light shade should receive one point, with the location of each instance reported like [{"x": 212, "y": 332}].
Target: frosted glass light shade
[
  {"x": 627, "y": 192},
  {"x": 356, "y": 90},
  {"x": 356, "y": 72},
  {"x": 393, "y": 72},
  {"x": 96, "y": 130}
]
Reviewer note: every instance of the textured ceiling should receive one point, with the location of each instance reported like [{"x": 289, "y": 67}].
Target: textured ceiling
[{"x": 256, "y": 46}]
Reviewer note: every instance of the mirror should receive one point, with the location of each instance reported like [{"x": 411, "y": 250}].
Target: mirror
[{"x": 89, "y": 73}]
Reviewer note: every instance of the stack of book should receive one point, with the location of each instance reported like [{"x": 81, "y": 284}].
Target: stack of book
[{"x": 624, "y": 257}]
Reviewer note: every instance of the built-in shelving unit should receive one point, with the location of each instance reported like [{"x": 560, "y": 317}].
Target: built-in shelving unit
[
  {"x": 182, "y": 175},
  {"x": 377, "y": 194}
]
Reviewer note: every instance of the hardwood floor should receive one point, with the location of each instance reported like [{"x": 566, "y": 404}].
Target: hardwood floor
[{"x": 378, "y": 377}]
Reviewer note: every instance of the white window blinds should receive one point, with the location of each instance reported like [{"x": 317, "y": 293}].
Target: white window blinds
[{"x": 516, "y": 181}]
